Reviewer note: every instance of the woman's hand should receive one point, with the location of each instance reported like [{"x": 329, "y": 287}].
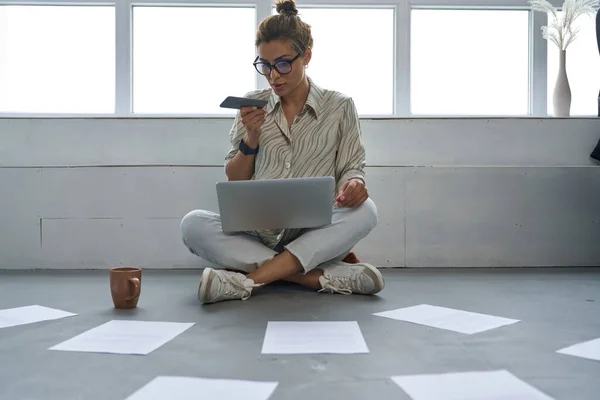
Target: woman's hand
[
  {"x": 352, "y": 194},
  {"x": 253, "y": 119}
]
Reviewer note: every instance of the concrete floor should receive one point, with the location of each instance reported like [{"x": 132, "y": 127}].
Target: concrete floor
[{"x": 558, "y": 308}]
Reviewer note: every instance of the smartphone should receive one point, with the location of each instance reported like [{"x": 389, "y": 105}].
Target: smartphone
[{"x": 239, "y": 102}]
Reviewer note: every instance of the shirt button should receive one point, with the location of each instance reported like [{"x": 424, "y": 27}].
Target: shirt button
[{"x": 287, "y": 165}]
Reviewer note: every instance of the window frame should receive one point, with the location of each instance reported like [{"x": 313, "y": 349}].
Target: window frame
[{"x": 402, "y": 13}]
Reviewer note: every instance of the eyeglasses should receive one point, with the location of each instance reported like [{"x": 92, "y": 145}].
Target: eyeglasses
[{"x": 282, "y": 67}]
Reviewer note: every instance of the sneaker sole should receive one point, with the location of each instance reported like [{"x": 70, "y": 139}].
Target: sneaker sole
[
  {"x": 204, "y": 285},
  {"x": 378, "y": 277}
]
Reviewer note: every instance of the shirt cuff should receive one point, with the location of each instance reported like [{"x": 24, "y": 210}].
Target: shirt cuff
[{"x": 352, "y": 174}]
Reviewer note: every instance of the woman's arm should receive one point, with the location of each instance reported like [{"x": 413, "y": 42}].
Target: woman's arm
[
  {"x": 350, "y": 161},
  {"x": 246, "y": 127}
]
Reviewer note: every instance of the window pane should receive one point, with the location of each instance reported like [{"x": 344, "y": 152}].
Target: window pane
[
  {"x": 186, "y": 60},
  {"x": 354, "y": 54},
  {"x": 470, "y": 62},
  {"x": 57, "y": 59},
  {"x": 583, "y": 66}
]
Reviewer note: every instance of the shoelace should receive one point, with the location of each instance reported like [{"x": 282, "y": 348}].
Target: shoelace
[
  {"x": 233, "y": 285},
  {"x": 329, "y": 285}
]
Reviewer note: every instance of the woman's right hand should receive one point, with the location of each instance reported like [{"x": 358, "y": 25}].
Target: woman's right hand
[{"x": 253, "y": 119}]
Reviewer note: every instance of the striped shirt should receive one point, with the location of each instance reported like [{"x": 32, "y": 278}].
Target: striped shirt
[{"x": 325, "y": 139}]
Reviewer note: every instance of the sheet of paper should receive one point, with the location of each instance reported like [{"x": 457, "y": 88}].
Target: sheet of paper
[
  {"x": 124, "y": 337},
  {"x": 184, "y": 388},
  {"x": 488, "y": 385},
  {"x": 29, "y": 315},
  {"x": 447, "y": 318},
  {"x": 314, "y": 338},
  {"x": 589, "y": 350}
]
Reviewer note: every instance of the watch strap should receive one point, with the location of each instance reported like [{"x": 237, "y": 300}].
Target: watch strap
[{"x": 247, "y": 150}]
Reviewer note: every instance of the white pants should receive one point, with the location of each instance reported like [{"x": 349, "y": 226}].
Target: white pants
[{"x": 203, "y": 236}]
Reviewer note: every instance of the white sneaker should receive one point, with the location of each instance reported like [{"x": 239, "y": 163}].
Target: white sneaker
[
  {"x": 220, "y": 285},
  {"x": 344, "y": 278}
]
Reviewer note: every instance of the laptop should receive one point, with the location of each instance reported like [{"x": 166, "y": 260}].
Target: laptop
[{"x": 275, "y": 203}]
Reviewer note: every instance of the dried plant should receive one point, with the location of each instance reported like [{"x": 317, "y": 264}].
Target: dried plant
[{"x": 561, "y": 31}]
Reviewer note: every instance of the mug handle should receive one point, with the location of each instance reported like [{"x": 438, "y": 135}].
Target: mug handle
[{"x": 136, "y": 288}]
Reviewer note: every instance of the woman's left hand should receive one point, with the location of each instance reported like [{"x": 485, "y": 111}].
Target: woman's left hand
[{"x": 352, "y": 194}]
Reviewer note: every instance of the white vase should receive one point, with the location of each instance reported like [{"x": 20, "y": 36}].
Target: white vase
[{"x": 562, "y": 90}]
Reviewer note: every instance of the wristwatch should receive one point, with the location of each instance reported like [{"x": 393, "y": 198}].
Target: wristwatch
[{"x": 247, "y": 150}]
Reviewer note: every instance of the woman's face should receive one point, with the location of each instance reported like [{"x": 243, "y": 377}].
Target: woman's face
[{"x": 279, "y": 50}]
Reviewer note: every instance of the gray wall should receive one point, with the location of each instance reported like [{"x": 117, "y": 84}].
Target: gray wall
[{"x": 96, "y": 193}]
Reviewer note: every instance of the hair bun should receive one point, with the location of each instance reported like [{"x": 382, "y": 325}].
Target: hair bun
[{"x": 287, "y": 7}]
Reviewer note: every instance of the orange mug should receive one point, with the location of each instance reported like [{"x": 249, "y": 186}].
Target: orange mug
[{"x": 125, "y": 286}]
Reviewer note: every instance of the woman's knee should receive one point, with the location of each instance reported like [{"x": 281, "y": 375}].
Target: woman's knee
[
  {"x": 366, "y": 215},
  {"x": 358, "y": 220},
  {"x": 195, "y": 227}
]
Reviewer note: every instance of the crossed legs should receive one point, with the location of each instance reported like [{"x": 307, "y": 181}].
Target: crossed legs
[{"x": 303, "y": 261}]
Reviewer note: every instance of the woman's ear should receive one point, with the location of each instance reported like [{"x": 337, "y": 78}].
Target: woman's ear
[{"x": 307, "y": 56}]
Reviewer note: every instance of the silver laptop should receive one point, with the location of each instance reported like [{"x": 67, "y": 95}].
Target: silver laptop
[{"x": 275, "y": 203}]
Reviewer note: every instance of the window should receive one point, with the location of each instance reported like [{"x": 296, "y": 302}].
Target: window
[
  {"x": 186, "y": 60},
  {"x": 469, "y": 58},
  {"x": 57, "y": 59},
  {"x": 583, "y": 66},
  {"x": 354, "y": 54},
  {"x": 469, "y": 62}
]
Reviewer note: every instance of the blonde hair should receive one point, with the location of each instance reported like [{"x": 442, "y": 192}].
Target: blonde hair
[{"x": 286, "y": 25}]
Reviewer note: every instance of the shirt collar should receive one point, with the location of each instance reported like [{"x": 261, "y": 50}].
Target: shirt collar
[{"x": 314, "y": 99}]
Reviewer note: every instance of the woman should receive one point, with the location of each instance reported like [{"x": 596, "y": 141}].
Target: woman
[{"x": 304, "y": 131}]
